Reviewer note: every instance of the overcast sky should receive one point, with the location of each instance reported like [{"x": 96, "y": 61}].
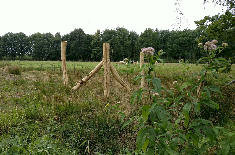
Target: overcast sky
[{"x": 32, "y": 16}]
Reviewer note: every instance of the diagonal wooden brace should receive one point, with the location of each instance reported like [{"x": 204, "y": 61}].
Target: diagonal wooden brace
[
  {"x": 86, "y": 78},
  {"x": 118, "y": 78}
]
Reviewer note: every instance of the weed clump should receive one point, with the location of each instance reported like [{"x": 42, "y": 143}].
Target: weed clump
[{"x": 13, "y": 70}]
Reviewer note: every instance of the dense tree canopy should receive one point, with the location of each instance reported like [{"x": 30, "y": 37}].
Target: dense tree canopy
[
  {"x": 220, "y": 27},
  {"x": 13, "y": 45},
  {"x": 124, "y": 43}
]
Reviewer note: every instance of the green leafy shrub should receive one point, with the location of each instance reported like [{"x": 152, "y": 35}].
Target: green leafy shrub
[
  {"x": 42, "y": 145},
  {"x": 226, "y": 104},
  {"x": 173, "y": 124}
]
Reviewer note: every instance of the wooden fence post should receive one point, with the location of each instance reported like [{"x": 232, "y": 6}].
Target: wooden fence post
[
  {"x": 142, "y": 72},
  {"x": 106, "y": 69},
  {"x": 63, "y": 58}
]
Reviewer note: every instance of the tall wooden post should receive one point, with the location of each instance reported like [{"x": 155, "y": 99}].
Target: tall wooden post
[
  {"x": 142, "y": 72},
  {"x": 63, "y": 58},
  {"x": 106, "y": 69}
]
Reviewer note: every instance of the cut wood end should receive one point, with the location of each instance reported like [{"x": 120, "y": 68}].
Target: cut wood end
[{"x": 75, "y": 88}]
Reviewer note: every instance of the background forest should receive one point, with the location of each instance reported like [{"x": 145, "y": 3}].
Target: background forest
[{"x": 124, "y": 43}]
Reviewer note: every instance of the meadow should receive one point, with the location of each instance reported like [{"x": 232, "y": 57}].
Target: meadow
[{"x": 39, "y": 115}]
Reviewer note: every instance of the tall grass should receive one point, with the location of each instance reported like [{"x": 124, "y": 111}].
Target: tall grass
[{"x": 39, "y": 115}]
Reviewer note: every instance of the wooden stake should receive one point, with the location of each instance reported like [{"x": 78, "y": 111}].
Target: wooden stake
[
  {"x": 118, "y": 78},
  {"x": 86, "y": 78},
  {"x": 142, "y": 72},
  {"x": 106, "y": 69},
  {"x": 63, "y": 58}
]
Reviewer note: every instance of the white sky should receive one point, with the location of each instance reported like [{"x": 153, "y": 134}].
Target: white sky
[{"x": 32, "y": 16}]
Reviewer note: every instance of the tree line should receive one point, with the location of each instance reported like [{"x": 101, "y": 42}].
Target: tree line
[
  {"x": 124, "y": 43},
  {"x": 86, "y": 47}
]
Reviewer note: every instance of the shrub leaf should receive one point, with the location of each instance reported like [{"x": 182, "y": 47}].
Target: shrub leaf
[{"x": 141, "y": 137}]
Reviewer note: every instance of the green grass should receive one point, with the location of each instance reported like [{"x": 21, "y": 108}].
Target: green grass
[{"x": 39, "y": 115}]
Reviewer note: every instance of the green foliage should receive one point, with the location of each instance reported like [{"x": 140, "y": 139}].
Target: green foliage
[
  {"x": 14, "y": 45},
  {"x": 124, "y": 44},
  {"x": 97, "y": 47},
  {"x": 42, "y": 145},
  {"x": 220, "y": 27},
  {"x": 174, "y": 125}
]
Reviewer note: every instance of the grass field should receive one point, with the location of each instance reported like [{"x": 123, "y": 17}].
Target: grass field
[{"x": 39, "y": 115}]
